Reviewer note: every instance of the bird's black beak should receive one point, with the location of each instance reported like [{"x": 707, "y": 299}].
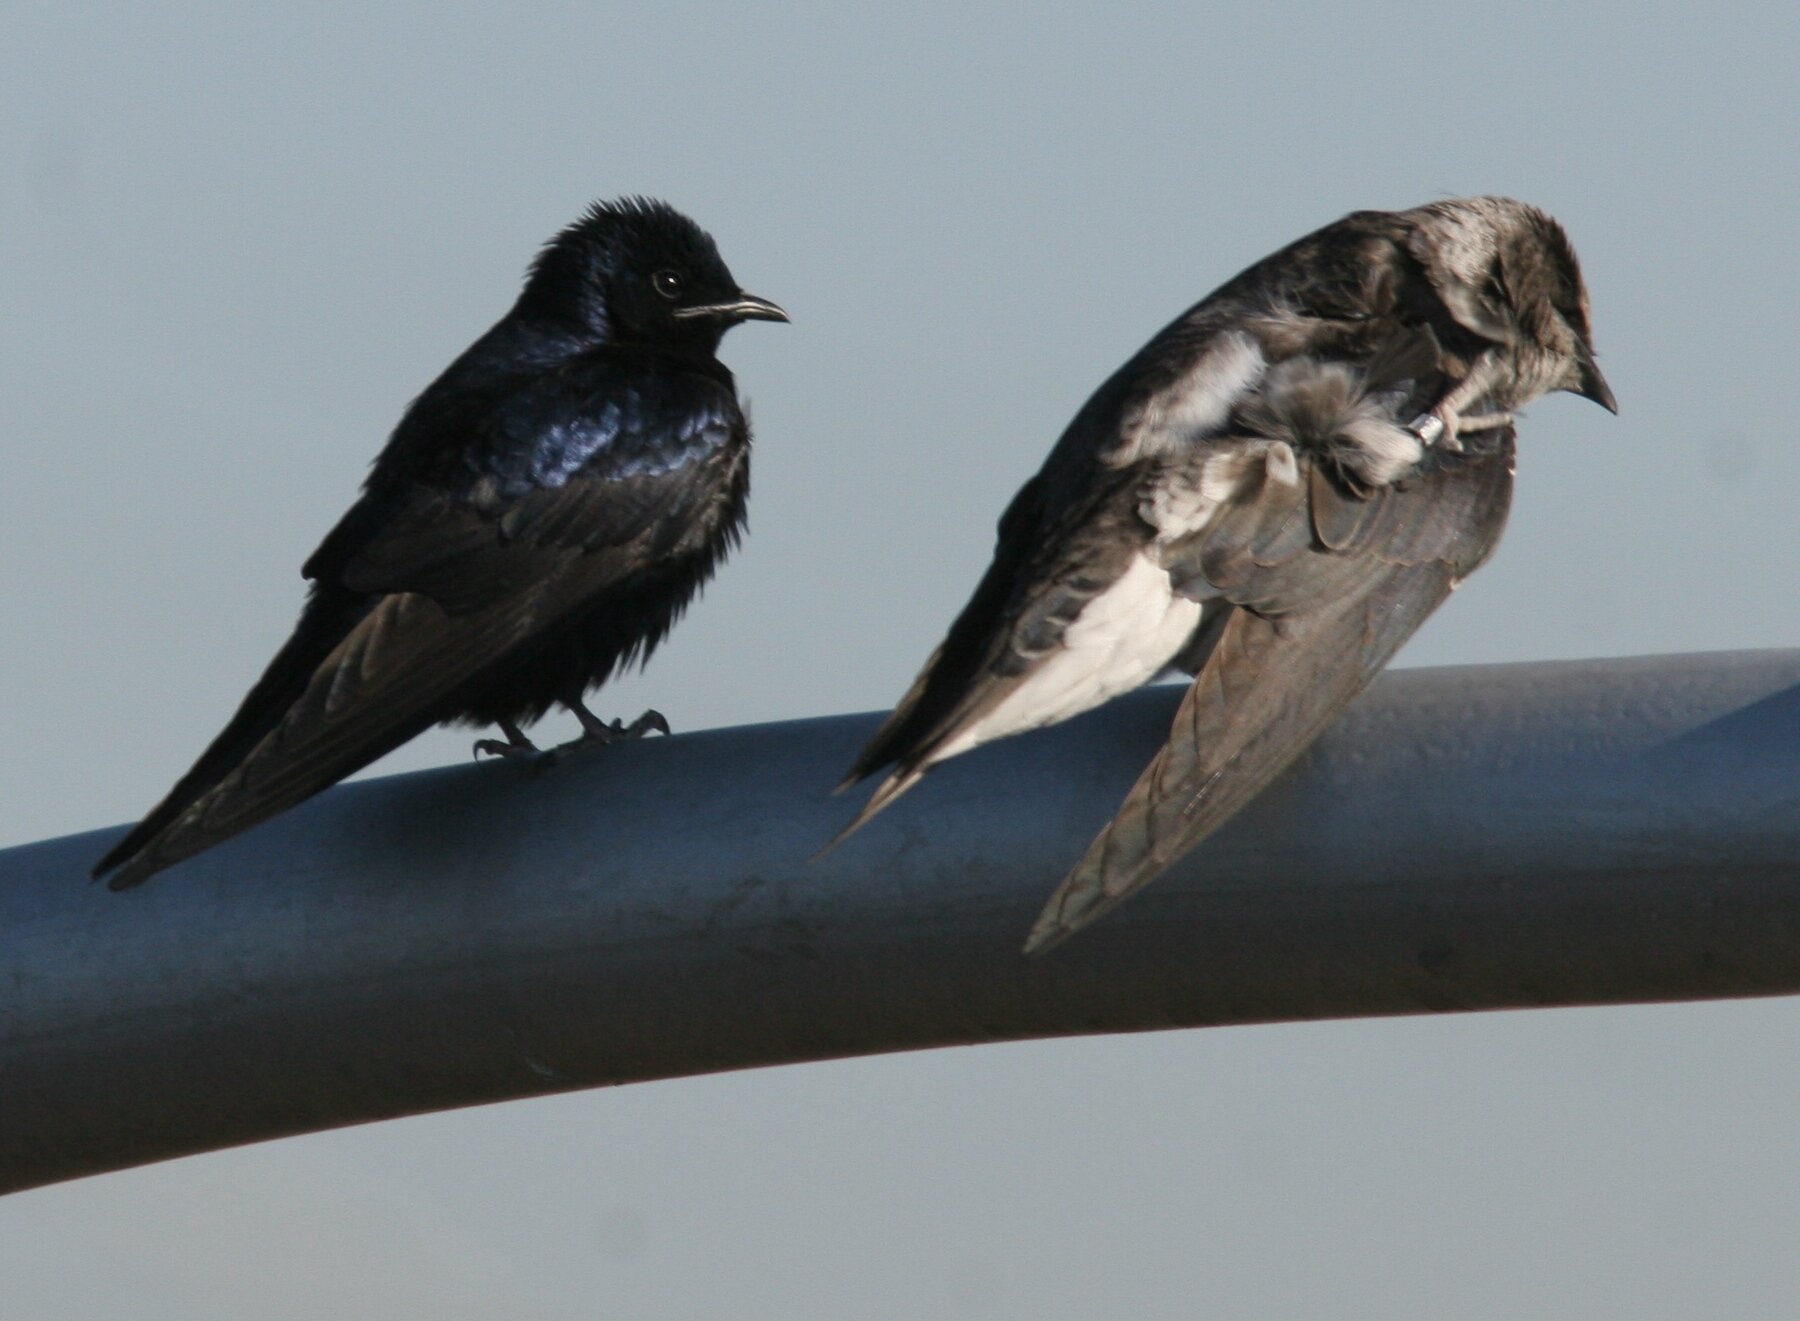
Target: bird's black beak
[
  {"x": 745, "y": 307},
  {"x": 1591, "y": 384}
]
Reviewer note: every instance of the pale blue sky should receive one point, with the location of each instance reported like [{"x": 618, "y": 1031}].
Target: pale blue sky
[{"x": 235, "y": 239}]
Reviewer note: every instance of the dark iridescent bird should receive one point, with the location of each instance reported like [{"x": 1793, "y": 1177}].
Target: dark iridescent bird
[
  {"x": 1272, "y": 495},
  {"x": 542, "y": 515}
]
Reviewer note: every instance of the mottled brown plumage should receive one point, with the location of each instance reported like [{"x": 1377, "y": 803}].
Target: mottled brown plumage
[{"x": 1272, "y": 494}]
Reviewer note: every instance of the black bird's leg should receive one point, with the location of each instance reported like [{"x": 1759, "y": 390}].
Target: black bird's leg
[
  {"x": 516, "y": 745},
  {"x": 596, "y": 732}
]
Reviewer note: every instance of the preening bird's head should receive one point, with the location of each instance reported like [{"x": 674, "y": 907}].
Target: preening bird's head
[
  {"x": 1508, "y": 272},
  {"x": 637, "y": 271}
]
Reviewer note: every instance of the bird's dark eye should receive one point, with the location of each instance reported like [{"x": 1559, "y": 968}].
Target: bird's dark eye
[
  {"x": 668, "y": 283},
  {"x": 1494, "y": 287}
]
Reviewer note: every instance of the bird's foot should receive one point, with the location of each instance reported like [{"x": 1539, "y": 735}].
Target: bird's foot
[
  {"x": 598, "y": 733},
  {"x": 1484, "y": 422},
  {"x": 516, "y": 744},
  {"x": 595, "y": 733},
  {"x": 1443, "y": 425},
  {"x": 651, "y": 722},
  {"x": 1439, "y": 427},
  {"x": 1444, "y": 428}
]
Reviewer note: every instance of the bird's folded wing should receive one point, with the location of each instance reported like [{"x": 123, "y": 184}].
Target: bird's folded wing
[
  {"x": 1048, "y": 564},
  {"x": 457, "y": 591},
  {"x": 1070, "y": 533},
  {"x": 1325, "y": 586}
]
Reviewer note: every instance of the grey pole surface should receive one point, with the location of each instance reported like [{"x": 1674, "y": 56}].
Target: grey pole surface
[{"x": 1469, "y": 838}]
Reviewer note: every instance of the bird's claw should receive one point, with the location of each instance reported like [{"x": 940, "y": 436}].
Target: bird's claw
[
  {"x": 652, "y": 721},
  {"x": 597, "y": 733},
  {"x": 601, "y": 733}
]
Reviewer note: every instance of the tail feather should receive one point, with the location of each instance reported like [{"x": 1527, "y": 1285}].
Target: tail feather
[
  {"x": 885, "y": 793},
  {"x": 148, "y": 848}
]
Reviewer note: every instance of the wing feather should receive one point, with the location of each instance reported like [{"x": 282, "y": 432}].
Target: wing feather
[
  {"x": 393, "y": 675},
  {"x": 1071, "y": 533},
  {"x": 420, "y": 594},
  {"x": 1305, "y": 635}
]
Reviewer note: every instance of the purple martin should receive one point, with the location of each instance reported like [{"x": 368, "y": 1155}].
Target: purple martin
[
  {"x": 1271, "y": 496},
  {"x": 541, "y": 516}
]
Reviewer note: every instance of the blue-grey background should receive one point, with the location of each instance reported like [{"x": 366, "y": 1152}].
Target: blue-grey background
[{"x": 235, "y": 239}]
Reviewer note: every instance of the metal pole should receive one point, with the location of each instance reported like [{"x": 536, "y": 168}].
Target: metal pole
[{"x": 1471, "y": 838}]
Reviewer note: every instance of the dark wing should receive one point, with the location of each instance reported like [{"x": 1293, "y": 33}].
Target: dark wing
[
  {"x": 1048, "y": 564},
  {"x": 421, "y": 593},
  {"x": 1074, "y": 529},
  {"x": 1069, "y": 535},
  {"x": 1323, "y": 586},
  {"x": 1337, "y": 294}
]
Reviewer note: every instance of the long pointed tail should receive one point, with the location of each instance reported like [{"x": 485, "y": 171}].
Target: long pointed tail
[{"x": 146, "y": 849}]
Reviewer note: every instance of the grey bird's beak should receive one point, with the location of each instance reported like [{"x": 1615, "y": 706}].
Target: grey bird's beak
[
  {"x": 1591, "y": 384},
  {"x": 745, "y": 307}
]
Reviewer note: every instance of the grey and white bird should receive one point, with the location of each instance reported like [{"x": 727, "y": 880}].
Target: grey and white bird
[{"x": 1271, "y": 496}]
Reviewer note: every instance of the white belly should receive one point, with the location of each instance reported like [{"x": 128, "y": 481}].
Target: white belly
[{"x": 1121, "y": 640}]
